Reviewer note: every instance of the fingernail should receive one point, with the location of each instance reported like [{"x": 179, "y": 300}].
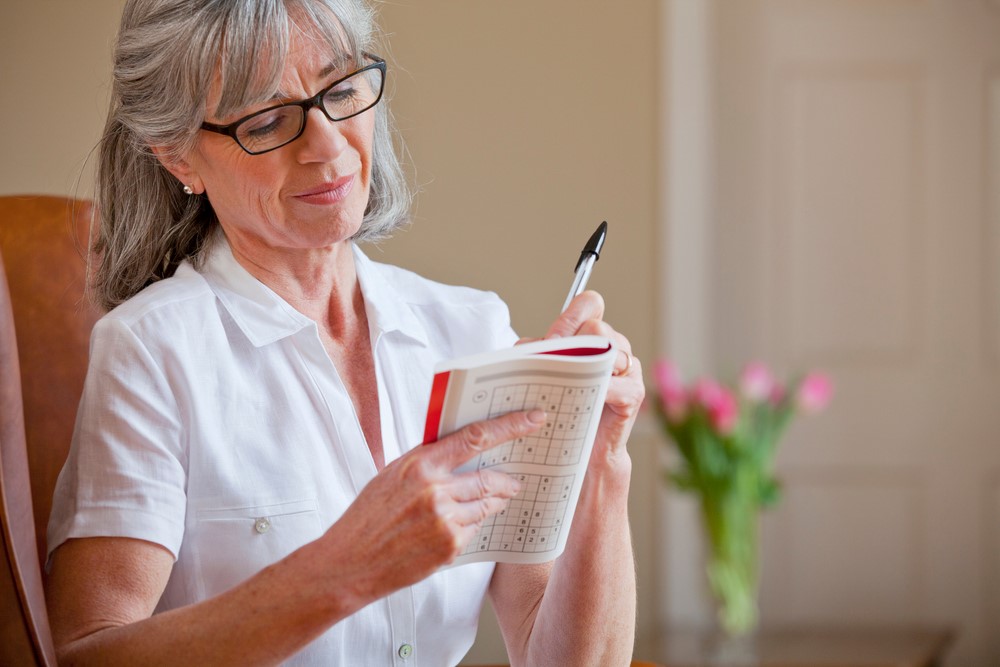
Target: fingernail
[{"x": 536, "y": 416}]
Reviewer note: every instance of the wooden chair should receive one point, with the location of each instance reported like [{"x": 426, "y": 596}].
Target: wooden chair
[
  {"x": 25, "y": 638},
  {"x": 43, "y": 240},
  {"x": 44, "y": 332}
]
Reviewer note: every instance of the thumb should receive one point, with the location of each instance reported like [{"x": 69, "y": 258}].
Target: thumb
[{"x": 588, "y": 305}]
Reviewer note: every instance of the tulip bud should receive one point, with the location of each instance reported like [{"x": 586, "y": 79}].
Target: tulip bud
[
  {"x": 719, "y": 403},
  {"x": 666, "y": 376},
  {"x": 756, "y": 383},
  {"x": 673, "y": 398},
  {"x": 724, "y": 412},
  {"x": 706, "y": 393},
  {"x": 814, "y": 393}
]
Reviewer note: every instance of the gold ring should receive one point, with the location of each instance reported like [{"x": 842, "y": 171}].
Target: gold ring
[{"x": 628, "y": 365}]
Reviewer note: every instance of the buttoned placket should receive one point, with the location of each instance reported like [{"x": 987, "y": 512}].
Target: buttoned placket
[
  {"x": 402, "y": 618},
  {"x": 402, "y": 621},
  {"x": 361, "y": 467}
]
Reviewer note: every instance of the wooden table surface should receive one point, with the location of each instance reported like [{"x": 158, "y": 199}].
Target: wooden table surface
[{"x": 804, "y": 647}]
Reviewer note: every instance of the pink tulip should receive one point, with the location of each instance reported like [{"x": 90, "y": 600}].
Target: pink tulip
[
  {"x": 706, "y": 393},
  {"x": 724, "y": 413},
  {"x": 675, "y": 404},
  {"x": 672, "y": 395},
  {"x": 722, "y": 407},
  {"x": 814, "y": 393},
  {"x": 756, "y": 383},
  {"x": 666, "y": 376}
]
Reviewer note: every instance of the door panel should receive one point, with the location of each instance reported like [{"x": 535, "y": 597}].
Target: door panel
[
  {"x": 846, "y": 536},
  {"x": 849, "y": 207}
]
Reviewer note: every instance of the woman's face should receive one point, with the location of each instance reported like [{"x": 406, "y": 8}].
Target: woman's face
[{"x": 308, "y": 194}]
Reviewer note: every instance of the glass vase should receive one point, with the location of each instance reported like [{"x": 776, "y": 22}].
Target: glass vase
[{"x": 731, "y": 518}]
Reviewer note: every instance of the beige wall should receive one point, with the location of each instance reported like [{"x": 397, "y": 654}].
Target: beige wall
[
  {"x": 55, "y": 57},
  {"x": 528, "y": 124}
]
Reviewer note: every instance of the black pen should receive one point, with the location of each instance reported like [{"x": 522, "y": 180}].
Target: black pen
[{"x": 591, "y": 253}]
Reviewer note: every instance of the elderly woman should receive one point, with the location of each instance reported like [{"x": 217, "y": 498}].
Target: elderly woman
[{"x": 244, "y": 486}]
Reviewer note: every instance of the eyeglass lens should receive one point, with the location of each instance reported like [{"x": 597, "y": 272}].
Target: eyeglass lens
[{"x": 276, "y": 127}]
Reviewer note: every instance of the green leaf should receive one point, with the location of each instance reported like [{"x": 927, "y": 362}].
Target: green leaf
[
  {"x": 683, "y": 480},
  {"x": 770, "y": 491}
]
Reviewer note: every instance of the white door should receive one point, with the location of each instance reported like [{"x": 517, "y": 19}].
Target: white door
[{"x": 855, "y": 226}]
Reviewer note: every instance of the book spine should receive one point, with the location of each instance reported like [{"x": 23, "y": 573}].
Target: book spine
[{"x": 439, "y": 389}]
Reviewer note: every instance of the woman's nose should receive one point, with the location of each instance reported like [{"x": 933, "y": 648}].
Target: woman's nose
[{"x": 322, "y": 139}]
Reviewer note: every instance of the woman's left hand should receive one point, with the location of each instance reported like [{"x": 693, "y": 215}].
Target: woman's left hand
[
  {"x": 547, "y": 616},
  {"x": 584, "y": 316}
]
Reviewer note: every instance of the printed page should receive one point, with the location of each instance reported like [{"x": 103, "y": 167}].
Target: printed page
[{"x": 550, "y": 464}]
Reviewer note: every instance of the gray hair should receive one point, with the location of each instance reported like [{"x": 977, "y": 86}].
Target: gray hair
[{"x": 166, "y": 56}]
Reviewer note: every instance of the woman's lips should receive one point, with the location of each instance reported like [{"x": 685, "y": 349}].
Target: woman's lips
[{"x": 327, "y": 193}]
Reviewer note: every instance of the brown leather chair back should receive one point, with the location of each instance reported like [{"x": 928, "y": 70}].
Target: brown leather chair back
[
  {"x": 44, "y": 241},
  {"x": 25, "y": 638}
]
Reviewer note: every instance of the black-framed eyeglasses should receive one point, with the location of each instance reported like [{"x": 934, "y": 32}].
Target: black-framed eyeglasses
[{"x": 272, "y": 128}]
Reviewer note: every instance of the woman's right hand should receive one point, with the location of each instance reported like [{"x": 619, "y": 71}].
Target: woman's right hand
[
  {"x": 417, "y": 514},
  {"x": 412, "y": 518}
]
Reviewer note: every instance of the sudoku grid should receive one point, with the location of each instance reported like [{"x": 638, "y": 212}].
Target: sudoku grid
[
  {"x": 559, "y": 441},
  {"x": 531, "y": 521}
]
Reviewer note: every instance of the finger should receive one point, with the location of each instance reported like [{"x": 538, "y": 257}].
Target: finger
[
  {"x": 464, "y": 536},
  {"x": 597, "y": 327},
  {"x": 621, "y": 407},
  {"x": 586, "y": 306},
  {"x": 483, "y": 484},
  {"x": 458, "y": 447},
  {"x": 625, "y": 360},
  {"x": 527, "y": 339},
  {"x": 624, "y": 364},
  {"x": 475, "y": 512},
  {"x": 626, "y": 391}
]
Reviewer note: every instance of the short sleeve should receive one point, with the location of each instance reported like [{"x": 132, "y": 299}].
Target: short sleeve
[
  {"x": 506, "y": 336},
  {"x": 126, "y": 471}
]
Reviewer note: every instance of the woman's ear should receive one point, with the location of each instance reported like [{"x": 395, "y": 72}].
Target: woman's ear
[{"x": 180, "y": 168}]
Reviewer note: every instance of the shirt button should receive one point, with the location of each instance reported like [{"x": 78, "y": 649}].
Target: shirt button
[
  {"x": 405, "y": 651},
  {"x": 262, "y": 525}
]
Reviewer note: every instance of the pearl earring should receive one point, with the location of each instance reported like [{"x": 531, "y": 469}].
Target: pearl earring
[{"x": 188, "y": 190}]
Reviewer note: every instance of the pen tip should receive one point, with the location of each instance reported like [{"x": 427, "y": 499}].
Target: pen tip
[{"x": 596, "y": 241}]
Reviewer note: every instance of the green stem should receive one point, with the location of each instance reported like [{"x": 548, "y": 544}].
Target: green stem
[{"x": 731, "y": 518}]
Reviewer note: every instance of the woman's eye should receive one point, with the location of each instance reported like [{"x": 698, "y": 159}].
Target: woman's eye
[
  {"x": 265, "y": 124},
  {"x": 343, "y": 92}
]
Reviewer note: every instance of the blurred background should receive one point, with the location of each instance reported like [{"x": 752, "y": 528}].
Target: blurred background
[{"x": 812, "y": 183}]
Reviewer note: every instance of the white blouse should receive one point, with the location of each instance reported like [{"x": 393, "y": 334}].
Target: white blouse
[{"x": 214, "y": 423}]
